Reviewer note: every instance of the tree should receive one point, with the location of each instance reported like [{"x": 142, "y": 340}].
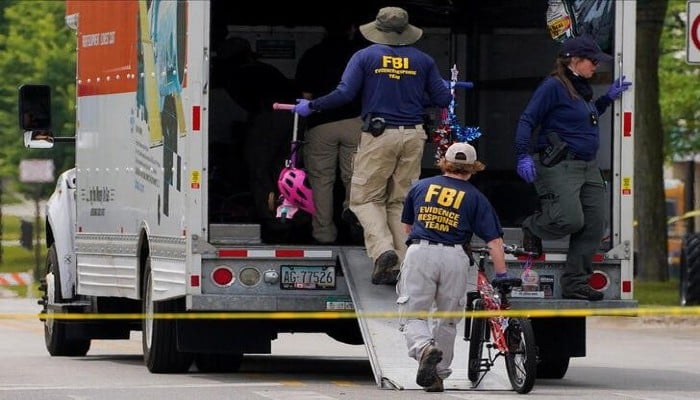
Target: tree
[
  {"x": 649, "y": 205},
  {"x": 37, "y": 47},
  {"x": 680, "y": 87}
]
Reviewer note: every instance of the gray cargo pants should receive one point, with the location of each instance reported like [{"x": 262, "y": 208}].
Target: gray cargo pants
[
  {"x": 572, "y": 198},
  {"x": 433, "y": 278}
]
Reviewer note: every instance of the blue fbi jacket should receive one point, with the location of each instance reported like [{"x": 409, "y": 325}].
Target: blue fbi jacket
[
  {"x": 552, "y": 108},
  {"x": 447, "y": 210},
  {"x": 397, "y": 83}
]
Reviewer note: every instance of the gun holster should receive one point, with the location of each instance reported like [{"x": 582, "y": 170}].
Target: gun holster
[
  {"x": 374, "y": 125},
  {"x": 555, "y": 152}
]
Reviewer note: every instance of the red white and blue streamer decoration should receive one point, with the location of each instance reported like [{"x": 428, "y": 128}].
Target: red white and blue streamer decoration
[{"x": 450, "y": 130}]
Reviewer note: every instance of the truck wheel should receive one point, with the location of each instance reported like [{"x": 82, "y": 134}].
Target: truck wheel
[
  {"x": 218, "y": 362},
  {"x": 55, "y": 331},
  {"x": 347, "y": 332},
  {"x": 690, "y": 270},
  {"x": 552, "y": 368},
  {"x": 159, "y": 335}
]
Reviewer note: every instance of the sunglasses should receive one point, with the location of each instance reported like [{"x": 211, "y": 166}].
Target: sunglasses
[{"x": 593, "y": 61}]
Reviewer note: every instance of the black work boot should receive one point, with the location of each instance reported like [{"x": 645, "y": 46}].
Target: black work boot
[
  {"x": 531, "y": 242},
  {"x": 438, "y": 386},
  {"x": 427, "y": 367},
  {"x": 583, "y": 293},
  {"x": 383, "y": 266}
]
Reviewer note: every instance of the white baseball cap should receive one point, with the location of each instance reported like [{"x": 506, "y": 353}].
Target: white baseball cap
[{"x": 461, "y": 153}]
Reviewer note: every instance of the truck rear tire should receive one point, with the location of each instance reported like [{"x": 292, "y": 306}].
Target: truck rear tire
[
  {"x": 552, "y": 368},
  {"x": 218, "y": 363},
  {"x": 55, "y": 331},
  {"x": 159, "y": 335},
  {"x": 690, "y": 270}
]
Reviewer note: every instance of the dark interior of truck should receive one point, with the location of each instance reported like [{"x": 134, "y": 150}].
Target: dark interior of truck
[{"x": 504, "y": 77}]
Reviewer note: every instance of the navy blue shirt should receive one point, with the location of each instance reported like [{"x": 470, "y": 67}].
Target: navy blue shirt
[
  {"x": 552, "y": 108},
  {"x": 449, "y": 210},
  {"x": 396, "y": 83},
  {"x": 319, "y": 71}
]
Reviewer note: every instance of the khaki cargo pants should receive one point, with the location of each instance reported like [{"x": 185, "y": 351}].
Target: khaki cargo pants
[
  {"x": 329, "y": 146},
  {"x": 385, "y": 168}
]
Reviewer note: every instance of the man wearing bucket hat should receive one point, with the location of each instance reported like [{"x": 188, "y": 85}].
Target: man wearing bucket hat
[
  {"x": 441, "y": 213},
  {"x": 562, "y": 161},
  {"x": 395, "y": 82}
]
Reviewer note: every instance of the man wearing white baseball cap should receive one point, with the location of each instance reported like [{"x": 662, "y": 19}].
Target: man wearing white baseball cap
[{"x": 440, "y": 215}]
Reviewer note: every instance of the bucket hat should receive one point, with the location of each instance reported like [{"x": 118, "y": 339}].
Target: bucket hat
[{"x": 391, "y": 27}]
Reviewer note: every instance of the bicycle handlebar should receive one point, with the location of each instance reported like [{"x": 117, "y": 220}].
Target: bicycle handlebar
[
  {"x": 457, "y": 84},
  {"x": 283, "y": 106},
  {"x": 463, "y": 84},
  {"x": 507, "y": 248}
]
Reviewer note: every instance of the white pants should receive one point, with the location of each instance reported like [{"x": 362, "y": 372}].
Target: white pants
[{"x": 433, "y": 277}]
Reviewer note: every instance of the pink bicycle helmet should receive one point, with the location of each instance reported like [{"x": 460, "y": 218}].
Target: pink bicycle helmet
[{"x": 295, "y": 189}]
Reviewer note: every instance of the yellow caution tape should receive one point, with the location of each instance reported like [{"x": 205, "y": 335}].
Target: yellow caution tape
[{"x": 534, "y": 313}]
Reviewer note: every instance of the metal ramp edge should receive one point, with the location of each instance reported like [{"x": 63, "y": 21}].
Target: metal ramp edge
[{"x": 385, "y": 344}]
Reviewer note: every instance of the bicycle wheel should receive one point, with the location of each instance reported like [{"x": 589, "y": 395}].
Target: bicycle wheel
[
  {"x": 521, "y": 360},
  {"x": 476, "y": 343}
]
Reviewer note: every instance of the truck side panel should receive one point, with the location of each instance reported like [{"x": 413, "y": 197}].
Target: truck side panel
[{"x": 138, "y": 142}]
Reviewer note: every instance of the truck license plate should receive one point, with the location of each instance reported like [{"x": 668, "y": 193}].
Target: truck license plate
[{"x": 307, "y": 277}]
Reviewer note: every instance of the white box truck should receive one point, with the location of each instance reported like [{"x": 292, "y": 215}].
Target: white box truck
[{"x": 142, "y": 226}]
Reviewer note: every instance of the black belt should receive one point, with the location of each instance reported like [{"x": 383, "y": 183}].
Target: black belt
[
  {"x": 414, "y": 126},
  {"x": 569, "y": 156},
  {"x": 572, "y": 156},
  {"x": 422, "y": 241}
]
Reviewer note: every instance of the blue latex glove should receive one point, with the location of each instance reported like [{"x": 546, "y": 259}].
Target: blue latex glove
[
  {"x": 616, "y": 89},
  {"x": 302, "y": 108},
  {"x": 526, "y": 168}
]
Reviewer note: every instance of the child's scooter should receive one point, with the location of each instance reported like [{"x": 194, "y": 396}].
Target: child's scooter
[{"x": 295, "y": 191}]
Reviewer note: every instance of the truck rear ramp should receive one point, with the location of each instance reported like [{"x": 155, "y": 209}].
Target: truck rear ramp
[{"x": 386, "y": 347}]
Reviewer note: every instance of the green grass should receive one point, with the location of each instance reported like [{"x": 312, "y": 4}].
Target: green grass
[
  {"x": 16, "y": 258},
  {"x": 657, "y": 293},
  {"x": 19, "y": 259}
]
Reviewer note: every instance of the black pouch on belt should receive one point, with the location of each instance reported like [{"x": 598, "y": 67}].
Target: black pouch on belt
[
  {"x": 555, "y": 152},
  {"x": 374, "y": 125}
]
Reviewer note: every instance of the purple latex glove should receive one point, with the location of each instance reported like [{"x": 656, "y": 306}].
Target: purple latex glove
[
  {"x": 302, "y": 108},
  {"x": 616, "y": 89},
  {"x": 526, "y": 168}
]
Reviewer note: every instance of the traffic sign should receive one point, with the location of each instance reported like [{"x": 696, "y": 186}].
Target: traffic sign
[
  {"x": 692, "y": 42},
  {"x": 36, "y": 170}
]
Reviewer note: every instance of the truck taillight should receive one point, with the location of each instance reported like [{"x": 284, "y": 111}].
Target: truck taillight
[
  {"x": 599, "y": 280},
  {"x": 249, "y": 276},
  {"x": 223, "y": 275}
]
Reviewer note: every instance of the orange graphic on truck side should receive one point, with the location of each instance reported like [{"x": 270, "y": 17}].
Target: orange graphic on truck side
[{"x": 107, "y": 47}]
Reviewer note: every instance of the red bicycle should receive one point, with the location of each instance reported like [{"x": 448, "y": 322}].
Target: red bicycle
[{"x": 509, "y": 337}]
